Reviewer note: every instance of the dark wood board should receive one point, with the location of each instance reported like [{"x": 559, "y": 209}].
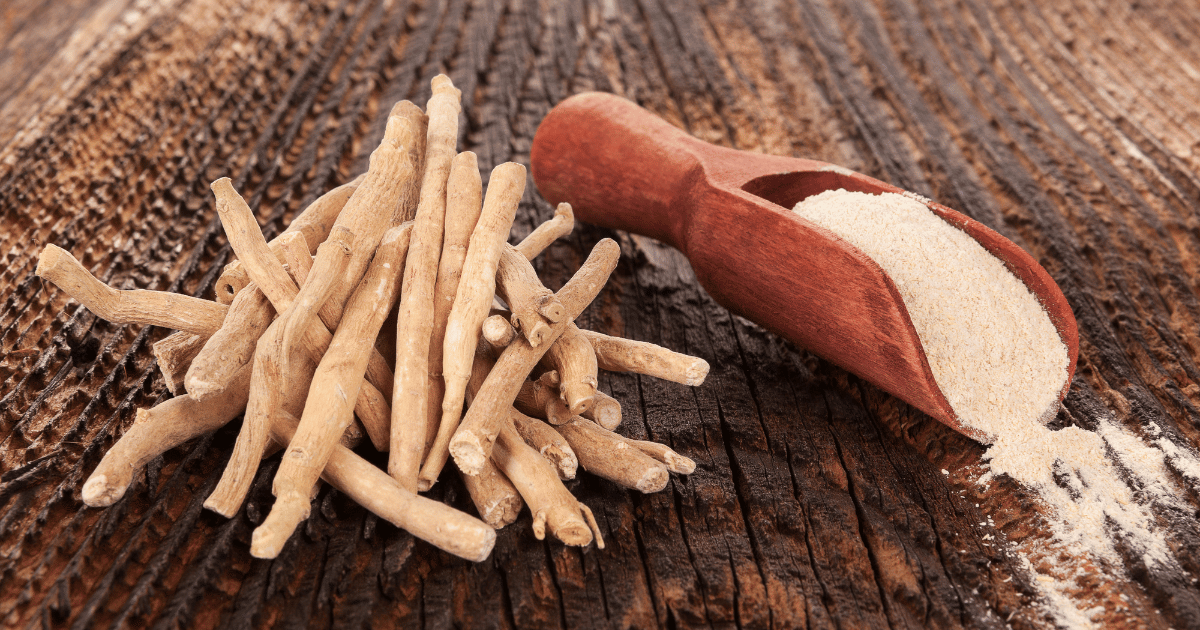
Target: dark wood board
[{"x": 1072, "y": 128}]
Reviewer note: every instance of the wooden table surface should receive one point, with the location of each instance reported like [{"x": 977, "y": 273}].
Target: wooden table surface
[{"x": 1070, "y": 126}]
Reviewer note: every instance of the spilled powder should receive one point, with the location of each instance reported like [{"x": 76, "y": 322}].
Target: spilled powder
[{"x": 999, "y": 360}]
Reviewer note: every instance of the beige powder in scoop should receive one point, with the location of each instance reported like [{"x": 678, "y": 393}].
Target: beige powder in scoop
[{"x": 992, "y": 348}]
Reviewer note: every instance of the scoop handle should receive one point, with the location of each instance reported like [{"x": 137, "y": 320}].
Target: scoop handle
[{"x": 618, "y": 165}]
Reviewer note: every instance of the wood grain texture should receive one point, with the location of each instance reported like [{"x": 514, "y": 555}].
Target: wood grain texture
[{"x": 1069, "y": 126}]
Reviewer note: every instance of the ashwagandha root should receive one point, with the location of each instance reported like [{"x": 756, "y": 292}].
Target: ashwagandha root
[
  {"x": 271, "y": 389},
  {"x": 575, "y": 361},
  {"x": 264, "y": 270},
  {"x": 436, "y": 523},
  {"x": 611, "y": 456},
  {"x": 159, "y": 429},
  {"x": 494, "y": 496},
  {"x": 534, "y": 307},
  {"x": 540, "y": 399},
  {"x": 415, "y": 319},
  {"x": 548, "y": 442},
  {"x": 312, "y": 226},
  {"x": 557, "y": 227},
  {"x": 175, "y": 354},
  {"x": 137, "y": 306},
  {"x": 472, "y": 443},
  {"x": 498, "y": 332},
  {"x": 232, "y": 346},
  {"x": 625, "y": 355},
  {"x": 552, "y": 505},
  {"x": 605, "y": 411},
  {"x": 328, "y": 408},
  {"x": 464, "y": 201},
  {"x": 476, "y": 290}
]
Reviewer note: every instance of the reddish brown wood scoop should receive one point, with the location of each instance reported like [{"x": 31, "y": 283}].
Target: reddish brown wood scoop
[{"x": 730, "y": 213}]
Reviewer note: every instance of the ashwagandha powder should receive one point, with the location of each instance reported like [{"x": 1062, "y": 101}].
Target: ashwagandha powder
[
  {"x": 998, "y": 359},
  {"x": 992, "y": 348}
]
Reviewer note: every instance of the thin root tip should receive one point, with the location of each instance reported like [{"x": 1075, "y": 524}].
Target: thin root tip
[
  {"x": 564, "y": 210},
  {"x": 49, "y": 258},
  {"x": 680, "y": 464},
  {"x": 697, "y": 372},
  {"x": 265, "y": 543},
  {"x": 216, "y": 505},
  {"x": 98, "y": 493},
  {"x": 654, "y": 480},
  {"x": 221, "y": 185}
]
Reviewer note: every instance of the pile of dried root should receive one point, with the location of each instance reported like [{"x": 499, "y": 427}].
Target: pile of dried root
[{"x": 291, "y": 343}]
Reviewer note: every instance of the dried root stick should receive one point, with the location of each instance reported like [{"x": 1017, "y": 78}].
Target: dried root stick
[
  {"x": 675, "y": 462},
  {"x": 153, "y": 308},
  {"x": 249, "y": 314},
  {"x": 605, "y": 411},
  {"x": 534, "y": 307},
  {"x": 494, "y": 496},
  {"x": 414, "y": 321},
  {"x": 271, "y": 389},
  {"x": 159, "y": 429},
  {"x": 327, "y": 271},
  {"x": 434, "y": 522},
  {"x": 313, "y": 225},
  {"x": 368, "y": 213},
  {"x": 327, "y": 410},
  {"x": 625, "y": 355},
  {"x": 464, "y": 200},
  {"x": 296, "y": 257},
  {"x": 552, "y": 505},
  {"x": 548, "y": 442},
  {"x": 175, "y": 354},
  {"x": 575, "y": 361},
  {"x": 613, "y": 457},
  {"x": 540, "y": 399},
  {"x": 472, "y": 443},
  {"x": 498, "y": 332},
  {"x": 232, "y": 346},
  {"x": 557, "y": 227},
  {"x": 476, "y": 289},
  {"x": 410, "y": 196},
  {"x": 247, "y": 241}
]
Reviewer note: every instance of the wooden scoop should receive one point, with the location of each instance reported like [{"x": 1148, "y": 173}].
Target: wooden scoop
[{"x": 729, "y": 212}]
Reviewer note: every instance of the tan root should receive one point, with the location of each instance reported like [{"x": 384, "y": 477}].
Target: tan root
[
  {"x": 329, "y": 405},
  {"x": 534, "y": 307},
  {"x": 605, "y": 411},
  {"x": 498, "y": 332},
  {"x": 540, "y": 399},
  {"x": 472, "y": 443},
  {"x": 313, "y": 225},
  {"x": 464, "y": 200},
  {"x": 175, "y": 354},
  {"x": 557, "y": 227},
  {"x": 611, "y": 456},
  {"x": 476, "y": 289},
  {"x": 572, "y": 357},
  {"x": 550, "y": 443},
  {"x": 625, "y": 355},
  {"x": 137, "y": 306},
  {"x": 494, "y": 496},
  {"x": 436, "y": 523},
  {"x": 159, "y": 429},
  {"x": 232, "y": 346},
  {"x": 415, "y": 319},
  {"x": 552, "y": 505}
]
